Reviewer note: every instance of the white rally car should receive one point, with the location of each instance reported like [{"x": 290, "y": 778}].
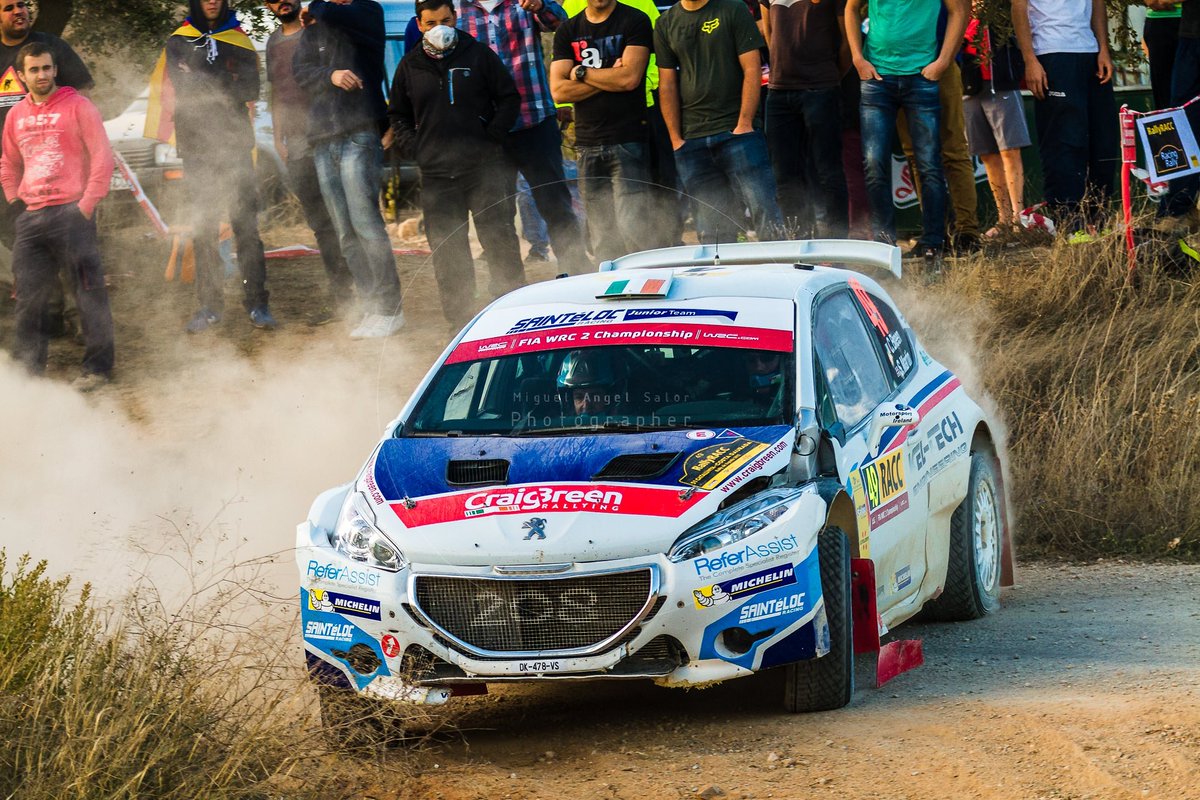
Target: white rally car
[{"x": 695, "y": 464}]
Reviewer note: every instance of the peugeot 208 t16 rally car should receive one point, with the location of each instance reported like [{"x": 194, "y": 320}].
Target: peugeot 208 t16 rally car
[{"x": 692, "y": 465}]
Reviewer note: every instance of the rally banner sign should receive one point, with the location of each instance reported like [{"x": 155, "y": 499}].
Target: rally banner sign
[{"x": 1169, "y": 144}]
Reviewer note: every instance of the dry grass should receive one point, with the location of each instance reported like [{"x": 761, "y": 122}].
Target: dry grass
[
  {"x": 1097, "y": 376},
  {"x": 153, "y": 705}
]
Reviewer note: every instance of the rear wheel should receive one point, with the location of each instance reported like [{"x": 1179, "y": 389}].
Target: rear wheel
[
  {"x": 826, "y": 683},
  {"x": 976, "y": 544}
]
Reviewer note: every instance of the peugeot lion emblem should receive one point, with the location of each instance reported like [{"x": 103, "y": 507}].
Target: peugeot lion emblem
[{"x": 536, "y": 528}]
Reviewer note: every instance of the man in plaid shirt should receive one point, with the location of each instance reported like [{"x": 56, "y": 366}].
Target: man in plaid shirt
[{"x": 513, "y": 29}]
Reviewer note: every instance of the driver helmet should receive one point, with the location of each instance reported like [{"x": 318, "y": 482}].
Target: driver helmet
[{"x": 583, "y": 369}]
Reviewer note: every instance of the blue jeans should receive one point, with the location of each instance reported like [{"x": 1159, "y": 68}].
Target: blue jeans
[
  {"x": 350, "y": 170},
  {"x": 881, "y": 100},
  {"x": 536, "y": 153},
  {"x": 715, "y": 170},
  {"x": 616, "y": 186},
  {"x": 806, "y": 153},
  {"x": 533, "y": 227}
]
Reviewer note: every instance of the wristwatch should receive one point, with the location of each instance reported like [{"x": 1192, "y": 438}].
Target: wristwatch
[{"x": 580, "y": 72}]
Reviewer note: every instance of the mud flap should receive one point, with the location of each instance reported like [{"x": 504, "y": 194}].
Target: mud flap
[{"x": 893, "y": 658}]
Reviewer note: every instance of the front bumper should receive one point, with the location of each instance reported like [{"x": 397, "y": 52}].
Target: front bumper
[{"x": 693, "y": 623}]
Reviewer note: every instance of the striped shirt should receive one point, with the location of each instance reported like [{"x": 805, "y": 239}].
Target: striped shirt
[{"x": 515, "y": 35}]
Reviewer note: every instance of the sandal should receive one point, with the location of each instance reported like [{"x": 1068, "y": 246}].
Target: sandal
[{"x": 992, "y": 232}]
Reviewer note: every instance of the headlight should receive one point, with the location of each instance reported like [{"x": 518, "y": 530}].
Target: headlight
[
  {"x": 357, "y": 538},
  {"x": 733, "y": 524},
  {"x": 165, "y": 154}
]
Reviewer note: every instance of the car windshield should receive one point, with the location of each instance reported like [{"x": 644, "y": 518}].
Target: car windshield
[{"x": 613, "y": 388}]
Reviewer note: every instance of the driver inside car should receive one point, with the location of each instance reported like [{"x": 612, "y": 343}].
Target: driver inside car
[
  {"x": 764, "y": 375},
  {"x": 590, "y": 384}
]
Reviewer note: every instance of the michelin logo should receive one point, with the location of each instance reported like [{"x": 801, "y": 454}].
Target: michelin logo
[
  {"x": 744, "y": 586},
  {"x": 746, "y": 555},
  {"x": 775, "y": 607}
]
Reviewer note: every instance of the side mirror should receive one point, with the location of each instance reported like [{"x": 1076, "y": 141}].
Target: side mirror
[
  {"x": 804, "y": 448},
  {"x": 889, "y": 415}
]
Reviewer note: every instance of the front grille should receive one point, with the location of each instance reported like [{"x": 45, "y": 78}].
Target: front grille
[
  {"x": 138, "y": 153},
  {"x": 477, "y": 473},
  {"x": 636, "y": 465},
  {"x": 537, "y": 615}
]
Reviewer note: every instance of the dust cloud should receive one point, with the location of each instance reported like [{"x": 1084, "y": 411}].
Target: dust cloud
[{"x": 213, "y": 468}]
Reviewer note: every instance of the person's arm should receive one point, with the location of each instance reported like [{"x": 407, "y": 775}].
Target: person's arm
[
  {"x": 310, "y": 73},
  {"x": 12, "y": 165},
  {"x": 668, "y": 88},
  {"x": 1104, "y": 62},
  {"x": 765, "y": 21},
  {"x": 362, "y": 23},
  {"x": 668, "y": 98},
  {"x": 845, "y": 62},
  {"x": 564, "y": 88},
  {"x": 751, "y": 63},
  {"x": 547, "y": 14},
  {"x": 505, "y": 96},
  {"x": 401, "y": 115},
  {"x": 246, "y": 85},
  {"x": 956, "y": 25},
  {"x": 100, "y": 157},
  {"x": 1035, "y": 75},
  {"x": 627, "y": 75},
  {"x": 866, "y": 70}
]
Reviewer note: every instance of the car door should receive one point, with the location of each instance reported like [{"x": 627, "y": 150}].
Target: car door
[{"x": 864, "y": 363}]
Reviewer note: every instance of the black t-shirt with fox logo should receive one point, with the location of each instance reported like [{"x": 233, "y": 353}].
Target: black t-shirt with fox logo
[{"x": 608, "y": 117}]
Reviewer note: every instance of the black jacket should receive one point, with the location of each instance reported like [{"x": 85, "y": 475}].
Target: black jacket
[
  {"x": 453, "y": 112},
  {"x": 211, "y": 96},
  {"x": 344, "y": 37}
]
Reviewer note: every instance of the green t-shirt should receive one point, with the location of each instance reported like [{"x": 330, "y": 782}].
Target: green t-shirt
[
  {"x": 1173, "y": 13},
  {"x": 902, "y": 35},
  {"x": 705, "y": 46}
]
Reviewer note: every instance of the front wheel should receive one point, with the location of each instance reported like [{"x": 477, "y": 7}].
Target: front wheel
[
  {"x": 351, "y": 720},
  {"x": 977, "y": 532},
  {"x": 827, "y": 683}
]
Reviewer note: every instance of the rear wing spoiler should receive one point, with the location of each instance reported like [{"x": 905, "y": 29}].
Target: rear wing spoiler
[{"x": 803, "y": 251}]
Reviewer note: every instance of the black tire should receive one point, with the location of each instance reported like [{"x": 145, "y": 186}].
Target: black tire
[
  {"x": 977, "y": 535},
  {"x": 351, "y": 721},
  {"x": 827, "y": 683}
]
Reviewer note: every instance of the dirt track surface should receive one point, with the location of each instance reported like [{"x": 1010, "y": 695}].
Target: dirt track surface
[{"x": 1085, "y": 685}]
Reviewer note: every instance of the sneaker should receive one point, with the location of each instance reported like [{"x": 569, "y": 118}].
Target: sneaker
[
  {"x": 365, "y": 327},
  {"x": 932, "y": 258},
  {"x": 202, "y": 320},
  {"x": 537, "y": 257},
  {"x": 260, "y": 317},
  {"x": 966, "y": 243},
  {"x": 384, "y": 325},
  {"x": 90, "y": 381},
  {"x": 323, "y": 315}
]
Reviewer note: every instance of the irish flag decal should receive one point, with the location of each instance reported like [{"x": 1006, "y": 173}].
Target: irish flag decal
[{"x": 637, "y": 287}]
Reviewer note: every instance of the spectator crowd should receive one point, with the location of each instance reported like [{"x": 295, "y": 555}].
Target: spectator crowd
[{"x": 778, "y": 117}]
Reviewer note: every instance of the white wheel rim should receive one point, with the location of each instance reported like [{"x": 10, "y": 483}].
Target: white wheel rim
[{"x": 986, "y": 528}]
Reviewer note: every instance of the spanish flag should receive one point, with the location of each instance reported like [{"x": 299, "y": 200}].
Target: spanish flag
[{"x": 160, "y": 110}]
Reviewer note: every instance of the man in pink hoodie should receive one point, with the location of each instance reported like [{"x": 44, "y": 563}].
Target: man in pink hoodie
[{"x": 56, "y": 165}]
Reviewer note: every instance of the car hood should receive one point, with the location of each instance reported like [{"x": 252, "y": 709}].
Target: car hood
[{"x": 560, "y": 499}]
